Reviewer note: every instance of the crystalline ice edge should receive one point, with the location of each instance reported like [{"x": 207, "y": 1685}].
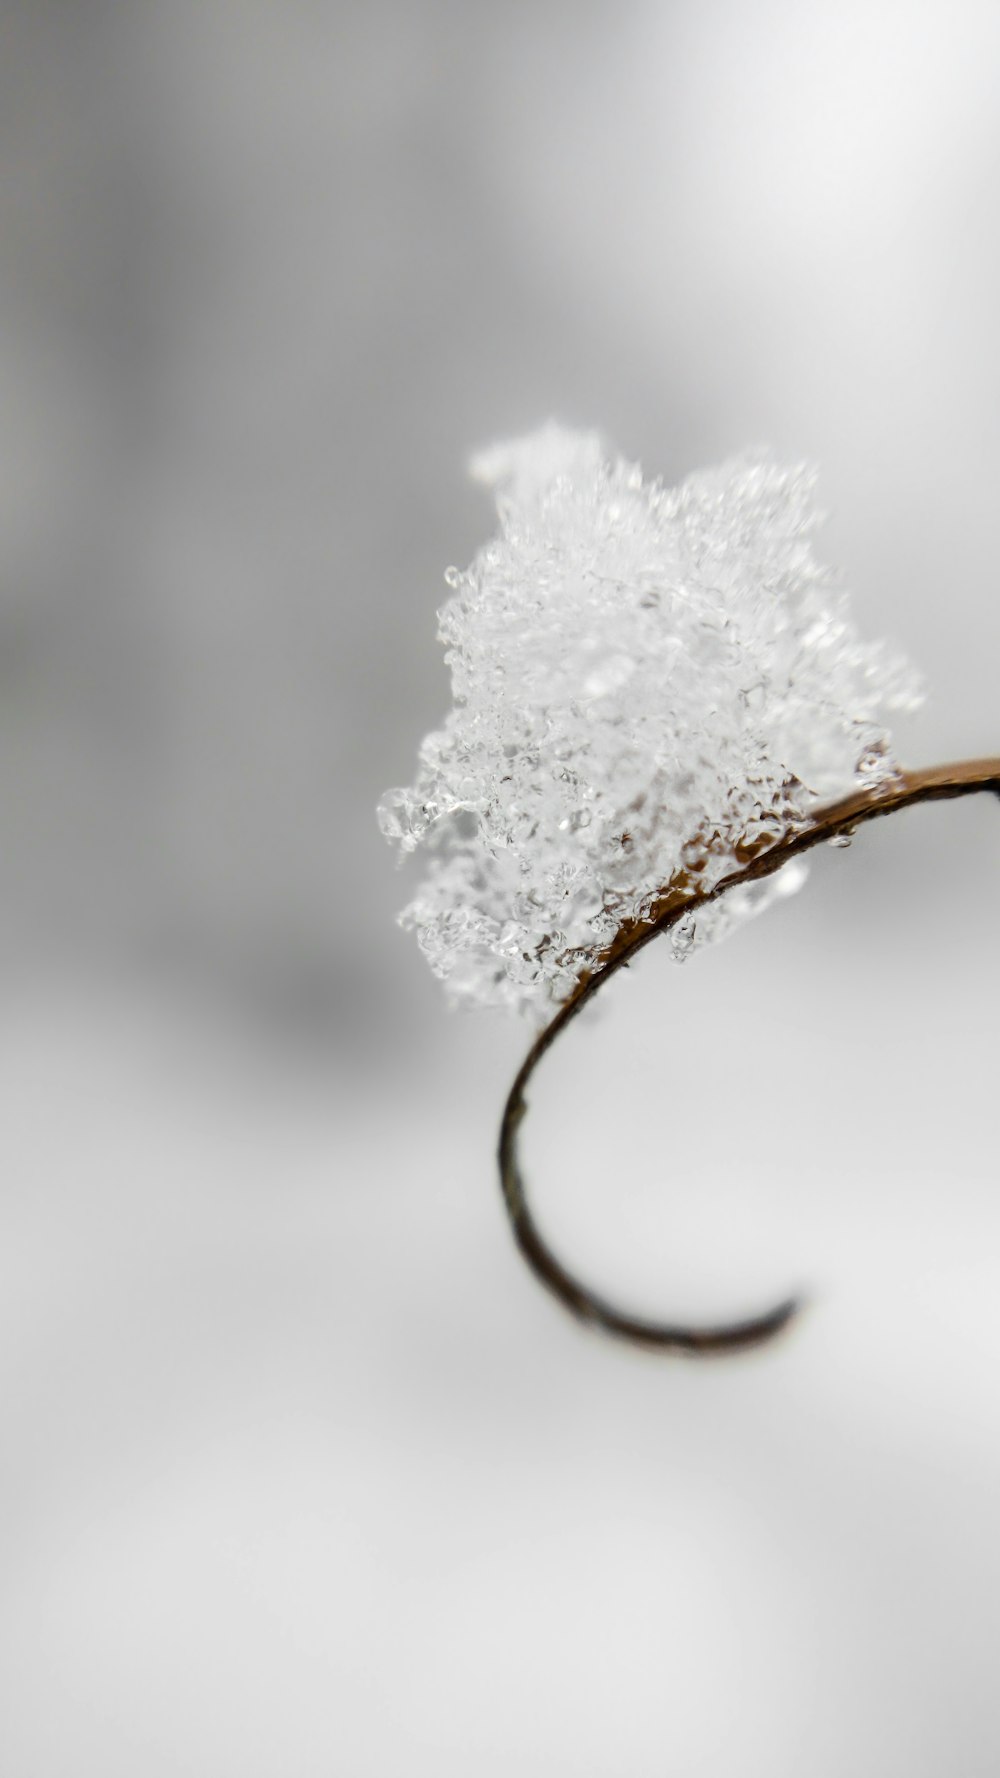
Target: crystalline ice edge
[{"x": 644, "y": 680}]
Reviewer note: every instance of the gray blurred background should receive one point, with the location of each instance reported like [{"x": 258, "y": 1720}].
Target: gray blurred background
[{"x": 301, "y": 1474}]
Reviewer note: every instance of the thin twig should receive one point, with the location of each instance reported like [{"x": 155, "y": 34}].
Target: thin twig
[{"x": 677, "y": 899}]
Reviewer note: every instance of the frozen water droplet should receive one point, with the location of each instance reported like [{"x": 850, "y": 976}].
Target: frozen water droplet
[
  {"x": 682, "y": 938},
  {"x": 396, "y": 819},
  {"x": 453, "y": 577},
  {"x": 604, "y": 926},
  {"x": 527, "y": 907},
  {"x": 876, "y": 769},
  {"x": 840, "y": 841}
]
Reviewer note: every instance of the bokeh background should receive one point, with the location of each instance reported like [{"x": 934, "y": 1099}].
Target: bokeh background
[{"x": 301, "y": 1473}]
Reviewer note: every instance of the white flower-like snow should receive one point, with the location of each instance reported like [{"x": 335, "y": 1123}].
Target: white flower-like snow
[{"x": 647, "y": 681}]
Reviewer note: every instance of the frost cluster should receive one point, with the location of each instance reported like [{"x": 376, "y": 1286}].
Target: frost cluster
[{"x": 646, "y": 681}]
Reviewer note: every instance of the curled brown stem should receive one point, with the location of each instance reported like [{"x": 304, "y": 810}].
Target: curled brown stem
[{"x": 680, "y": 897}]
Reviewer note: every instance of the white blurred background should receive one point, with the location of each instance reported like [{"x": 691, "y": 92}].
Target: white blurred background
[{"x": 301, "y": 1473}]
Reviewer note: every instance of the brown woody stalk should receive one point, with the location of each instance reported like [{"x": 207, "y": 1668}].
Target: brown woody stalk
[{"x": 677, "y": 899}]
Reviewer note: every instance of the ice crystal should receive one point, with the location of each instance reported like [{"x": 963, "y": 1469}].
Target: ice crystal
[{"x": 647, "y": 682}]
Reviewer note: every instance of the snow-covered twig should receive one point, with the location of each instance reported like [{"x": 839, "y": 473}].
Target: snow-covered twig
[{"x": 661, "y": 702}]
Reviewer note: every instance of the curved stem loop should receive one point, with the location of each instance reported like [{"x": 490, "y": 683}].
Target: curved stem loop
[{"x": 679, "y": 898}]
